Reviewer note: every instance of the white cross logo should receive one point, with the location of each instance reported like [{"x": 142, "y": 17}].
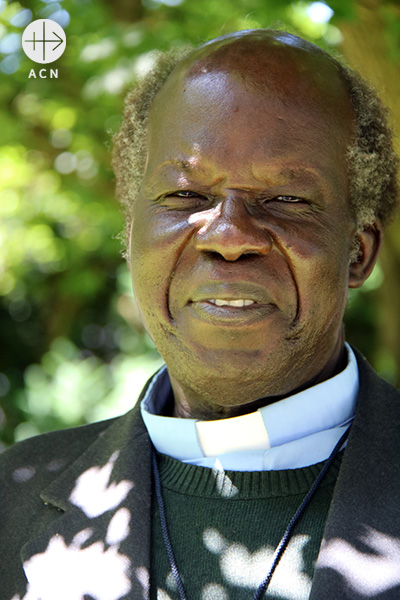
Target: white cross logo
[{"x": 43, "y": 41}]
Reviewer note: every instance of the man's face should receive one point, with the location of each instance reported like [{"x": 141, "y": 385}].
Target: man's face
[{"x": 242, "y": 231}]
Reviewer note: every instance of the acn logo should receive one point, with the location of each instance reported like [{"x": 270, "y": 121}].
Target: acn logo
[{"x": 43, "y": 41}]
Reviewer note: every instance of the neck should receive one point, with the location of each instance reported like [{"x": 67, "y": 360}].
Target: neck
[{"x": 187, "y": 407}]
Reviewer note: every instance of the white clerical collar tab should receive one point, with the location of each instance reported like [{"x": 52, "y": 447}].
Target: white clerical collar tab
[{"x": 243, "y": 433}]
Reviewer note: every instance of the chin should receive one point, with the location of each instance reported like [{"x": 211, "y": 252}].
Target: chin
[{"x": 233, "y": 380}]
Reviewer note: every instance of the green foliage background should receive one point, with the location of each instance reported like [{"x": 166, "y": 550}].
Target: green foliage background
[{"x": 72, "y": 348}]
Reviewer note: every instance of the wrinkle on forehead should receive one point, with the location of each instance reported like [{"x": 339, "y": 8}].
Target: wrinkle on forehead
[
  {"x": 188, "y": 171},
  {"x": 193, "y": 166},
  {"x": 268, "y": 100}
]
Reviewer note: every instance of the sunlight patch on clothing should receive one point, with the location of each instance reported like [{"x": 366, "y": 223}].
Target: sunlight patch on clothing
[
  {"x": 82, "y": 537},
  {"x": 170, "y": 582},
  {"x": 56, "y": 465},
  {"x": 118, "y": 529},
  {"x": 214, "y": 591},
  {"x": 369, "y": 573},
  {"x": 162, "y": 595},
  {"x": 242, "y": 568},
  {"x": 214, "y": 541},
  {"x": 23, "y": 474},
  {"x": 93, "y": 492},
  {"x": 72, "y": 572},
  {"x": 224, "y": 485},
  {"x": 143, "y": 577}
]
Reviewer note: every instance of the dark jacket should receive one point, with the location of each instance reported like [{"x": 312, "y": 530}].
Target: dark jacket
[{"x": 75, "y": 510}]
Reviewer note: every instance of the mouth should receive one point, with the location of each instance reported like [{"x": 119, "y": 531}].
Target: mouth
[
  {"x": 237, "y": 294},
  {"x": 230, "y": 303},
  {"x": 237, "y": 303},
  {"x": 235, "y": 312}
]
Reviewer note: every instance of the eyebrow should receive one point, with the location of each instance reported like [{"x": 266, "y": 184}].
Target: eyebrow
[
  {"x": 180, "y": 163},
  {"x": 262, "y": 174}
]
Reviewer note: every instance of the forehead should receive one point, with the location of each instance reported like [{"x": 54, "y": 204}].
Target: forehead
[
  {"x": 217, "y": 118},
  {"x": 275, "y": 65},
  {"x": 288, "y": 71},
  {"x": 254, "y": 102}
]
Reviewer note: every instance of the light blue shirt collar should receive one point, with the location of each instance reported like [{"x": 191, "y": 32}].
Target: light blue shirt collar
[{"x": 294, "y": 432}]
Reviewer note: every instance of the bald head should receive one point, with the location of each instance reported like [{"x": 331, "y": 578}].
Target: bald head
[{"x": 276, "y": 64}]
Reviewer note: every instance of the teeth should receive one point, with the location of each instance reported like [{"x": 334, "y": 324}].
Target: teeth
[{"x": 239, "y": 303}]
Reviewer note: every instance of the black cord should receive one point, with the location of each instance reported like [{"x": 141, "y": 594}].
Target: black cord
[
  {"x": 164, "y": 527},
  {"x": 262, "y": 588}
]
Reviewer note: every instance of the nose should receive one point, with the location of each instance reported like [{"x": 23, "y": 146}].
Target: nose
[{"x": 232, "y": 231}]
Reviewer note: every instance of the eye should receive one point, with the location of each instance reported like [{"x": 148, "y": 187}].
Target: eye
[
  {"x": 291, "y": 199},
  {"x": 285, "y": 200},
  {"x": 183, "y": 199},
  {"x": 184, "y": 194}
]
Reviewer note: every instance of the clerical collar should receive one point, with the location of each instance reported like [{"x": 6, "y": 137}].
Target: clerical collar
[{"x": 294, "y": 432}]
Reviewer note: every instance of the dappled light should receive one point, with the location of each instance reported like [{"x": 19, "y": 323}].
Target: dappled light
[
  {"x": 242, "y": 568},
  {"x": 84, "y": 553},
  {"x": 162, "y": 595},
  {"x": 143, "y": 577},
  {"x": 68, "y": 572},
  {"x": 23, "y": 474},
  {"x": 224, "y": 485},
  {"x": 214, "y": 591},
  {"x": 370, "y": 572},
  {"x": 93, "y": 492}
]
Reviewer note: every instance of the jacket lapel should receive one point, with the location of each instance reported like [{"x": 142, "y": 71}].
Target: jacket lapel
[
  {"x": 360, "y": 552},
  {"x": 98, "y": 543}
]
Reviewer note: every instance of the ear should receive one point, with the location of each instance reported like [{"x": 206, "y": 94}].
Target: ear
[{"x": 369, "y": 242}]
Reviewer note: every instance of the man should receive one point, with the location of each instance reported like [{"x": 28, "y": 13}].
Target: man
[{"x": 258, "y": 175}]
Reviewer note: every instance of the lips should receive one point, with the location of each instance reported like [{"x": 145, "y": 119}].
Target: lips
[
  {"x": 239, "y": 303},
  {"x": 230, "y": 303},
  {"x": 235, "y": 294}
]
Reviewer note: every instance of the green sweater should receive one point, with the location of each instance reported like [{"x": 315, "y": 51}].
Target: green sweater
[{"x": 225, "y": 526}]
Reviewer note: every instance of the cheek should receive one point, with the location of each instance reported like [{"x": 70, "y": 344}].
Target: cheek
[
  {"x": 323, "y": 289},
  {"x": 323, "y": 238},
  {"x": 316, "y": 237},
  {"x": 159, "y": 232},
  {"x": 156, "y": 245},
  {"x": 319, "y": 259}
]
